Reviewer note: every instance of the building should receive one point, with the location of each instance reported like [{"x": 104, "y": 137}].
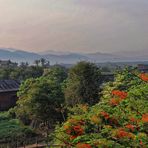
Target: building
[
  {"x": 143, "y": 67},
  {"x": 8, "y": 94}
]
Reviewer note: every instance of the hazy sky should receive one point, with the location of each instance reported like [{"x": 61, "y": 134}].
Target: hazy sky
[{"x": 74, "y": 25}]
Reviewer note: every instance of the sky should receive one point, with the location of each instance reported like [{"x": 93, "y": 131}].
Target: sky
[{"x": 74, "y": 25}]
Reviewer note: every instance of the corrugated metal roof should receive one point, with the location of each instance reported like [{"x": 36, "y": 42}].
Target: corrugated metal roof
[{"x": 9, "y": 85}]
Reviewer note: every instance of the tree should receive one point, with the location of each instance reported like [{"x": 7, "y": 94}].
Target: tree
[
  {"x": 42, "y": 61},
  {"x": 37, "y": 62},
  {"x": 57, "y": 73},
  {"x": 24, "y": 64},
  {"x": 82, "y": 84},
  {"x": 39, "y": 100},
  {"x": 119, "y": 120},
  {"x": 21, "y": 72}
]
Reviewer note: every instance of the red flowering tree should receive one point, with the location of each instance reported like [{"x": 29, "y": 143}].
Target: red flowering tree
[{"x": 120, "y": 120}]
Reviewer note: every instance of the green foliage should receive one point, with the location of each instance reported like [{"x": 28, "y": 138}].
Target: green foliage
[
  {"x": 20, "y": 73},
  {"x": 82, "y": 84},
  {"x": 119, "y": 120},
  {"x": 12, "y": 129},
  {"x": 56, "y": 73},
  {"x": 40, "y": 99},
  {"x": 4, "y": 116},
  {"x": 23, "y": 71}
]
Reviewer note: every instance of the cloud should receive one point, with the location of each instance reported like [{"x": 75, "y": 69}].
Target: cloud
[{"x": 76, "y": 25}]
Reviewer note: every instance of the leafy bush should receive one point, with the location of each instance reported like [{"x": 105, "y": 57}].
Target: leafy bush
[
  {"x": 12, "y": 129},
  {"x": 4, "y": 116}
]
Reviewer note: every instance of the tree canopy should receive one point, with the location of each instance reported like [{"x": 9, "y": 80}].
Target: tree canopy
[
  {"x": 82, "y": 84},
  {"x": 119, "y": 120},
  {"x": 41, "y": 98}
]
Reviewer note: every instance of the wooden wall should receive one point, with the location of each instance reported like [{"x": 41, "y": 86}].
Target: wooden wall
[{"x": 7, "y": 100}]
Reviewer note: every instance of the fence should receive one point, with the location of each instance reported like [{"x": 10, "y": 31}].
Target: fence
[
  {"x": 15, "y": 143},
  {"x": 36, "y": 142}
]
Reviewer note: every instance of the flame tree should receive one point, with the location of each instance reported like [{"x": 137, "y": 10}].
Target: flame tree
[{"x": 119, "y": 120}]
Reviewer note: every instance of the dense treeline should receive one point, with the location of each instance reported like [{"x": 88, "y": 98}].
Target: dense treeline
[
  {"x": 44, "y": 99},
  {"x": 22, "y": 71},
  {"x": 84, "y": 111}
]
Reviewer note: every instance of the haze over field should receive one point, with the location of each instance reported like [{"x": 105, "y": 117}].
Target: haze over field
[{"x": 107, "y": 26}]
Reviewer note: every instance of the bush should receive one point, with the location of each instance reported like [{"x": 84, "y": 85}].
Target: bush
[{"x": 13, "y": 129}]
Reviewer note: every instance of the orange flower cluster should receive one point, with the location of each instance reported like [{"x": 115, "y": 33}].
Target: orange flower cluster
[
  {"x": 83, "y": 145},
  {"x": 145, "y": 117},
  {"x": 78, "y": 130},
  {"x": 114, "y": 101},
  {"x": 132, "y": 119},
  {"x": 74, "y": 129},
  {"x": 120, "y": 94},
  {"x": 141, "y": 143},
  {"x": 111, "y": 120},
  {"x": 121, "y": 133},
  {"x": 130, "y": 127},
  {"x": 105, "y": 115},
  {"x": 144, "y": 77},
  {"x": 73, "y": 137}
]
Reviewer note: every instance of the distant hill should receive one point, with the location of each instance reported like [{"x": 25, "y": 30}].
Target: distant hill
[
  {"x": 18, "y": 55},
  {"x": 67, "y": 57}
]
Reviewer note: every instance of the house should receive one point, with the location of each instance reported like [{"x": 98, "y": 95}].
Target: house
[{"x": 8, "y": 94}]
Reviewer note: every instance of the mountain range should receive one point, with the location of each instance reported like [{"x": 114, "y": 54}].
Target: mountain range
[{"x": 71, "y": 58}]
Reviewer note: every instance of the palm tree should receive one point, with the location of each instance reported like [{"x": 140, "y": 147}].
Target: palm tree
[
  {"x": 37, "y": 62},
  {"x": 43, "y": 61}
]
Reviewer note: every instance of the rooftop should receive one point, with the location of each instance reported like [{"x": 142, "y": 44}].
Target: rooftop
[{"x": 9, "y": 85}]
